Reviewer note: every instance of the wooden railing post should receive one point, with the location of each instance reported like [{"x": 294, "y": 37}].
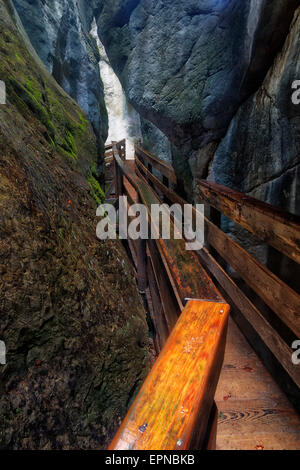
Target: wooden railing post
[
  {"x": 141, "y": 266},
  {"x": 142, "y": 263},
  {"x": 118, "y": 173}
]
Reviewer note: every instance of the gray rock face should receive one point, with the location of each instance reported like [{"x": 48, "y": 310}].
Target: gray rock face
[
  {"x": 260, "y": 153},
  {"x": 59, "y": 31},
  {"x": 186, "y": 66},
  {"x": 155, "y": 141}
]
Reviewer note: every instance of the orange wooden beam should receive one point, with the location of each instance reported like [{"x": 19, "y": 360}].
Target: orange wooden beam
[{"x": 172, "y": 409}]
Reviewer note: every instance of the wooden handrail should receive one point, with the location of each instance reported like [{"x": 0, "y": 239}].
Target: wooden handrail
[
  {"x": 283, "y": 300},
  {"x": 163, "y": 167},
  {"x": 172, "y": 409},
  {"x": 267, "y": 333},
  {"x": 274, "y": 226},
  {"x": 191, "y": 280}
]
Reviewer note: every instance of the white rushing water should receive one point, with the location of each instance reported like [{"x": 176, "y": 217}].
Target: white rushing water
[{"x": 123, "y": 120}]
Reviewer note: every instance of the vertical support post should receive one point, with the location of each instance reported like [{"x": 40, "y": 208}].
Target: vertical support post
[
  {"x": 142, "y": 263},
  {"x": 119, "y": 182},
  {"x": 215, "y": 217},
  {"x": 165, "y": 181},
  {"x": 117, "y": 174},
  {"x": 114, "y": 149},
  {"x": 142, "y": 266},
  {"x": 212, "y": 427}
]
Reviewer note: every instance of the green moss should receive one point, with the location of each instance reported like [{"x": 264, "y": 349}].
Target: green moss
[
  {"x": 33, "y": 88},
  {"x": 27, "y": 98},
  {"x": 96, "y": 189},
  {"x": 19, "y": 59},
  {"x": 69, "y": 144},
  {"x": 67, "y": 128},
  {"x": 82, "y": 123}
]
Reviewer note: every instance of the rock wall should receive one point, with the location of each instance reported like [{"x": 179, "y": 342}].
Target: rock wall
[
  {"x": 260, "y": 153},
  {"x": 155, "y": 141},
  {"x": 70, "y": 312},
  {"x": 189, "y": 67},
  {"x": 59, "y": 31}
]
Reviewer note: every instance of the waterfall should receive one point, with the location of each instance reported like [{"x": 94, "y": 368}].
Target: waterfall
[{"x": 123, "y": 119}]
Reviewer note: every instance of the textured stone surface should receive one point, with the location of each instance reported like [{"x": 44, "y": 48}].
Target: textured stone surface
[
  {"x": 260, "y": 153},
  {"x": 155, "y": 141},
  {"x": 186, "y": 66},
  {"x": 262, "y": 146},
  {"x": 59, "y": 31},
  {"x": 70, "y": 312}
]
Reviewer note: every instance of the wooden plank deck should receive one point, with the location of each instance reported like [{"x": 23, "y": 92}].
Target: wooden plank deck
[{"x": 253, "y": 412}]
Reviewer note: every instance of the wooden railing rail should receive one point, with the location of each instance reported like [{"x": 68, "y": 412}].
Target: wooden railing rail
[
  {"x": 186, "y": 272},
  {"x": 172, "y": 409},
  {"x": 282, "y": 300},
  {"x": 166, "y": 170},
  {"x": 278, "y": 228}
]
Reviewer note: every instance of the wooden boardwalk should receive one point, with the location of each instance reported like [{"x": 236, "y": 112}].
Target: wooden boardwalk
[
  {"x": 248, "y": 410},
  {"x": 253, "y": 412}
]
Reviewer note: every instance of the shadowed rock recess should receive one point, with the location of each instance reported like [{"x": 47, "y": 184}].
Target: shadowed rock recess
[{"x": 70, "y": 313}]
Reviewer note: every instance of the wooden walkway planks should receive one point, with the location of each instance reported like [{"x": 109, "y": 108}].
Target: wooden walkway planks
[
  {"x": 253, "y": 412},
  {"x": 177, "y": 396}
]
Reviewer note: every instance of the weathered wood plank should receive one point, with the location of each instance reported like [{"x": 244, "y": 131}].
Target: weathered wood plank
[
  {"x": 108, "y": 157},
  {"x": 173, "y": 406},
  {"x": 276, "y": 227},
  {"x": 191, "y": 280},
  {"x": 253, "y": 411},
  {"x": 163, "y": 167},
  {"x": 267, "y": 333},
  {"x": 283, "y": 300}
]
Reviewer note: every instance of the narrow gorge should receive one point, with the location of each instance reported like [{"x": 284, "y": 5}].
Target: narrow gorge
[{"x": 204, "y": 85}]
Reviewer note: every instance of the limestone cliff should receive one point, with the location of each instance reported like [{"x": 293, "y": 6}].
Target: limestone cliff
[
  {"x": 70, "y": 313},
  {"x": 59, "y": 32},
  {"x": 260, "y": 153}
]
